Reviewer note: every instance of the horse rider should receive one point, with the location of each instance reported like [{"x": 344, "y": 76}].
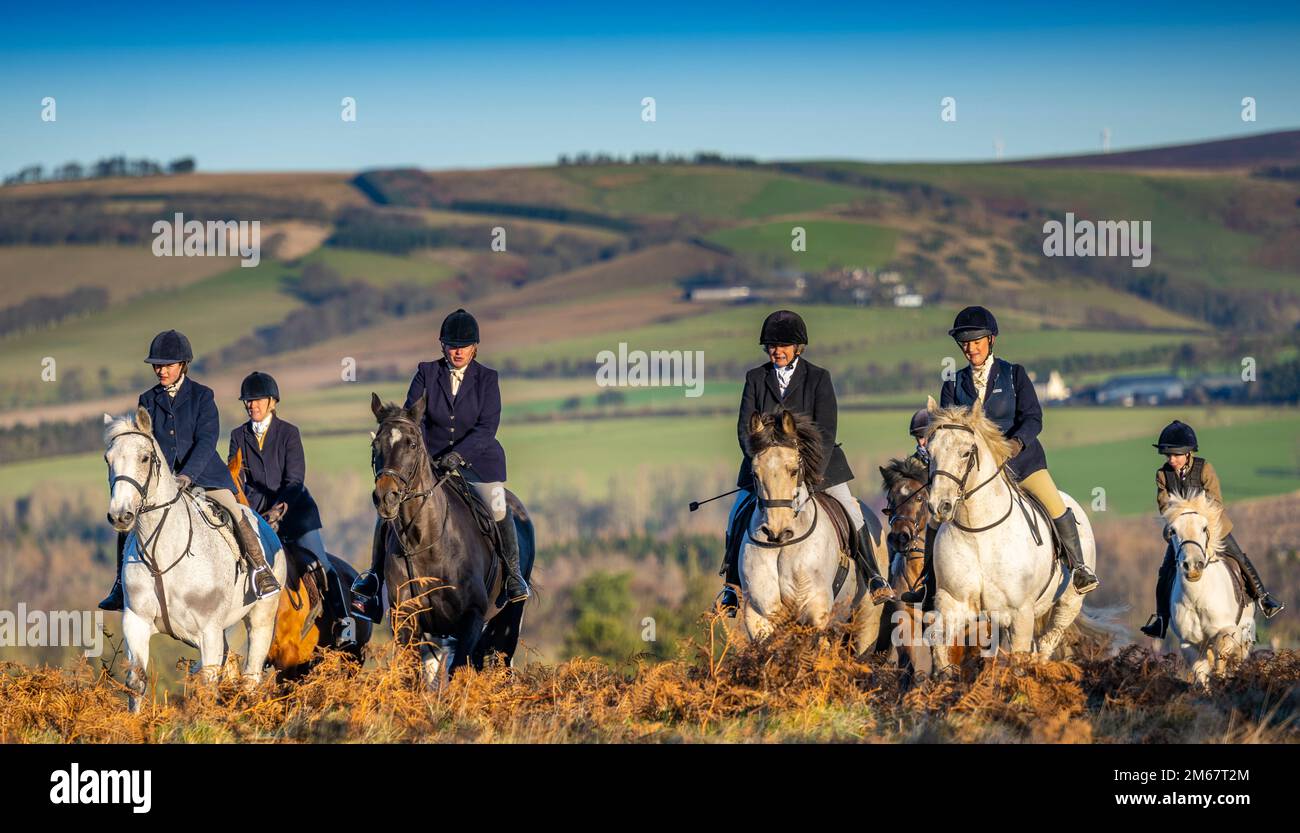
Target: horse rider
[
  {"x": 1006, "y": 395},
  {"x": 274, "y": 468},
  {"x": 1182, "y": 474},
  {"x": 186, "y": 425},
  {"x": 917, "y": 427},
  {"x": 791, "y": 381},
  {"x": 462, "y": 412}
]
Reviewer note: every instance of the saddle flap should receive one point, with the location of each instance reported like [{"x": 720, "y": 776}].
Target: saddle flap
[
  {"x": 1037, "y": 518},
  {"x": 1238, "y": 583},
  {"x": 839, "y": 519}
]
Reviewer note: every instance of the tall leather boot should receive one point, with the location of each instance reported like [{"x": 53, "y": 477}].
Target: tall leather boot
[
  {"x": 367, "y": 588},
  {"x": 250, "y": 547},
  {"x": 1269, "y": 605},
  {"x": 877, "y": 585},
  {"x": 1158, "y": 624},
  {"x": 336, "y": 602},
  {"x": 727, "y": 600},
  {"x": 1085, "y": 580},
  {"x": 516, "y": 587},
  {"x": 115, "y": 599}
]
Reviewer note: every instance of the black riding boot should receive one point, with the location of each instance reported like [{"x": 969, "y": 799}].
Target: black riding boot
[
  {"x": 336, "y": 603},
  {"x": 250, "y": 547},
  {"x": 516, "y": 587},
  {"x": 727, "y": 599},
  {"x": 1085, "y": 580},
  {"x": 1159, "y": 621},
  {"x": 1269, "y": 605},
  {"x": 877, "y": 585},
  {"x": 366, "y": 589},
  {"x": 114, "y": 600}
]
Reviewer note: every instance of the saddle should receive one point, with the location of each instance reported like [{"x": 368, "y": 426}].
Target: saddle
[
  {"x": 845, "y": 534},
  {"x": 312, "y": 581},
  {"x": 218, "y": 517},
  {"x": 1034, "y": 513}
]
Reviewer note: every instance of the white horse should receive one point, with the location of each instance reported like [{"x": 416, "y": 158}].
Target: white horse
[
  {"x": 1211, "y": 629},
  {"x": 791, "y": 553},
  {"x": 989, "y": 570},
  {"x": 179, "y": 573}
]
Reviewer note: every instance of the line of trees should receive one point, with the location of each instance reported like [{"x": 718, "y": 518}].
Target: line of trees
[
  {"x": 106, "y": 167},
  {"x": 44, "y": 310}
]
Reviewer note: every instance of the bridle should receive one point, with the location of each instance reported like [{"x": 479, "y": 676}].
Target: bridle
[
  {"x": 148, "y": 558},
  {"x": 913, "y": 528},
  {"x": 405, "y": 493},
  {"x": 787, "y": 503},
  {"x": 1210, "y": 557},
  {"x": 972, "y": 464}
]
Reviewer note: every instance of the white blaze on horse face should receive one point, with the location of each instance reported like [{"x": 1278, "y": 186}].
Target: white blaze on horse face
[
  {"x": 776, "y": 477},
  {"x": 1191, "y": 544},
  {"x": 947, "y": 449},
  {"x": 394, "y": 437},
  {"x": 127, "y": 456}
]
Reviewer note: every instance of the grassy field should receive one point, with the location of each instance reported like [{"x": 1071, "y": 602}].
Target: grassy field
[
  {"x": 843, "y": 337},
  {"x": 715, "y": 193},
  {"x": 378, "y": 269},
  {"x": 212, "y": 312},
  {"x": 830, "y": 243}
]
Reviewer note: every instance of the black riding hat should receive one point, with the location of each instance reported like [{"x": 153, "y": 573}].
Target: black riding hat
[
  {"x": 920, "y": 422},
  {"x": 972, "y": 323},
  {"x": 783, "y": 327},
  {"x": 258, "y": 385},
  {"x": 459, "y": 329},
  {"x": 169, "y": 347},
  {"x": 1177, "y": 438}
]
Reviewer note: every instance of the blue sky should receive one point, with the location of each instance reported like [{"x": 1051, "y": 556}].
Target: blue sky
[{"x": 440, "y": 85}]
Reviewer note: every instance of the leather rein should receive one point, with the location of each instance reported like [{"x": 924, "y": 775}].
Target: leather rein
[{"x": 972, "y": 462}]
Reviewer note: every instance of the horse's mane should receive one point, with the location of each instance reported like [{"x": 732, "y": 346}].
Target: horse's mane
[
  {"x": 807, "y": 440},
  {"x": 908, "y": 468},
  {"x": 390, "y": 410},
  {"x": 975, "y": 420},
  {"x": 1204, "y": 505}
]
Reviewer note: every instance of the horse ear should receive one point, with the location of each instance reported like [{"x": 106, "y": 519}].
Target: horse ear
[
  {"x": 142, "y": 420},
  {"x": 416, "y": 411},
  {"x": 787, "y": 423},
  {"x": 376, "y": 405},
  {"x": 931, "y": 405},
  {"x": 108, "y": 419},
  {"x": 755, "y": 422},
  {"x": 884, "y": 472}
]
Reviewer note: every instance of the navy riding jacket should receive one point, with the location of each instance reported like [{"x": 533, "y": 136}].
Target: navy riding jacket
[
  {"x": 187, "y": 428},
  {"x": 274, "y": 474},
  {"x": 810, "y": 392},
  {"x": 466, "y": 423},
  {"x": 1011, "y": 403}
]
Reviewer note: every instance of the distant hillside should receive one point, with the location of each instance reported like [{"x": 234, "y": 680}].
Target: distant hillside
[{"x": 1280, "y": 148}]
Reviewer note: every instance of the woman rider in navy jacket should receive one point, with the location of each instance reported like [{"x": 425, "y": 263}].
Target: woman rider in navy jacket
[
  {"x": 186, "y": 425},
  {"x": 1007, "y": 397},
  {"x": 462, "y": 412},
  {"x": 274, "y": 467}
]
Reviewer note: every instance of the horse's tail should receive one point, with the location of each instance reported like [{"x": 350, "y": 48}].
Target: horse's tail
[{"x": 1098, "y": 630}]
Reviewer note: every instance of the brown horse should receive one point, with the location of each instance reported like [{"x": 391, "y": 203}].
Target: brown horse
[
  {"x": 906, "y": 484},
  {"x": 297, "y": 636}
]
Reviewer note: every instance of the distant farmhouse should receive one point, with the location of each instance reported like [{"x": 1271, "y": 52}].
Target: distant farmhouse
[{"x": 1141, "y": 390}]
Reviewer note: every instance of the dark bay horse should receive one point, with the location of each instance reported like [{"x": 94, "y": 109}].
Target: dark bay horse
[{"x": 443, "y": 576}]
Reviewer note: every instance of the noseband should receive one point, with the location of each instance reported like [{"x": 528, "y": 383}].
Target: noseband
[
  {"x": 1209, "y": 557},
  {"x": 972, "y": 462}
]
